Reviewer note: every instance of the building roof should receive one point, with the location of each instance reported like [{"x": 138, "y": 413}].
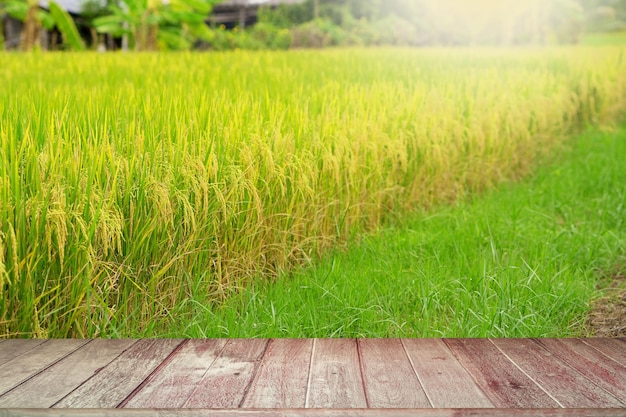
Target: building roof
[
  {"x": 257, "y": 2},
  {"x": 76, "y": 6},
  {"x": 72, "y": 6}
]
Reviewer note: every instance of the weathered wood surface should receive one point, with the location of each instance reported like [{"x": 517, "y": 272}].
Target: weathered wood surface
[
  {"x": 46, "y": 388},
  {"x": 446, "y": 382},
  {"x": 390, "y": 380},
  {"x": 313, "y": 377},
  {"x": 119, "y": 380},
  {"x": 282, "y": 379},
  {"x": 25, "y": 366},
  {"x": 177, "y": 380},
  {"x": 18, "y": 347},
  {"x": 315, "y": 412}
]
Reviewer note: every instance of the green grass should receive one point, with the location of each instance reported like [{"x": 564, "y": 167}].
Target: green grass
[
  {"x": 523, "y": 261},
  {"x": 604, "y": 39}
]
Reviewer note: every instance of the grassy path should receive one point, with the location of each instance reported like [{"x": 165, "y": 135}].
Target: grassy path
[{"x": 522, "y": 261}]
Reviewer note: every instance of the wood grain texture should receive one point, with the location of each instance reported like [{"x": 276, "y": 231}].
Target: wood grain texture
[
  {"x": 225, "y": 383},
  {"x": 613, "y": 348},
  {"x": 109, "y": 387},
  {"x": 388, "y": 377},
  {"x": 445, "y": 381},
  {"x": 281, "y": 381},
  {"x": 51, "y": 385},
  {"x": 416, "y": 412},
  {"x": 335, "y": 380},
  {"x": 13, "y": 348},
  {"x": 25, "y": 366},
  {"x": 595, "y": 366},
  {"x": 503, "y": 383},
  {"x": 172, "y": 385},
  {"x": 560, "y": 381},
  {"x": 334, "y": 376}
]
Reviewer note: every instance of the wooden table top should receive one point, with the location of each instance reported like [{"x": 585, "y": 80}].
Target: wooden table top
[{"x": 313, "y": 377}]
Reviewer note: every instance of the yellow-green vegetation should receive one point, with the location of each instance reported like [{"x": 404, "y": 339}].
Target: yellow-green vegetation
[
  {"x": 132, "y": 183},
  {"x": 604, "y": 39},
  {"x": 526, "y": 260}
]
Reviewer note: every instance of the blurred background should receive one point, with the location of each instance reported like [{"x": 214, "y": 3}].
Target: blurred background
[{"x": 283, "y": 24}]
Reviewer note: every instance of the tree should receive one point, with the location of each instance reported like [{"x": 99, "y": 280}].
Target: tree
[
  {"x": 28, "y": 12},
  {"x": 64, "y": 22},
  {"x": 90, "y": 10},
  {"x": 34, "y": 18},
  {"x": 2, "y": 17},
  {"x": 175, "y": 23},
  {"x": 567, "y": 20}
]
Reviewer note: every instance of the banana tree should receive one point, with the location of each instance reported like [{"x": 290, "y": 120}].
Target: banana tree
[
  {"x": 35, "y": 18},
  {"x": 175, "y": 23},
  {"x": 64, "y": 22},
  {"x": 28, "y": 12},
  {"x": 89, "y": 11},
  {"x": 2, "y": 15}
]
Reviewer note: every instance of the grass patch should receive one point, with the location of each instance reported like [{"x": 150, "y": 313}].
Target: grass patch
[
  {"x": 604, "y": 39},
  {"x": 523, "y": 261}
]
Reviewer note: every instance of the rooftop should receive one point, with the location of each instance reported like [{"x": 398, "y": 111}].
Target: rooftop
[{"x": 75, "y": 6}]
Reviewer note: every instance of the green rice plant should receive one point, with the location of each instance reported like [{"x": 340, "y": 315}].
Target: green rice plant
[
  {"x": 130, "y": 184},
  {"x": 521, "y": 261}
]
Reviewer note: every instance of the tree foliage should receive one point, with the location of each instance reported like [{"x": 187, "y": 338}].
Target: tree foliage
[
  {"x": 175, "y": 24},
  {"x": 66, "y": 26},
  {"x": 35, "y": 18}
]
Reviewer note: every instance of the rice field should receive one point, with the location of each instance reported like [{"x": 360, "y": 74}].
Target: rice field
[{"x": 131, "y": 183}]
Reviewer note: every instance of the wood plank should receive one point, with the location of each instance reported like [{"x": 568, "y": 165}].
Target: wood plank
[
  {"x": 503, "y": 383},
  {"x": 335, "y": 380},
  {"x": 16, "y": 347},
  {"x": 109, "y": 387},
  {"x": 388, "y": 377},
  {"x": 445, "y": 380},
  {"x": 281, "y": 381},
  {"x": 613, "y": 348},
  {"x": 225, "y": 383},
  {"x": 54, "y": 383},
  {"x": 373, "y": 412},
  {"x": 173, "y": 384},
  {"x": 594, "y": 365},
  {"x": 25, "y": 366},
  {"x": 560, "y": 381}
]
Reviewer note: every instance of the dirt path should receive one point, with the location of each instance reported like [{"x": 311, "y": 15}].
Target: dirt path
[{"x": 608, "y": 315}]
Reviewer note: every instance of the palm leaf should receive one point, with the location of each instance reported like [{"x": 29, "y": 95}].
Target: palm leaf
[
  {"x": 16, "y": 9},
  {"x": 113, "y": 24},
  {"x": 66, "y": 25}
]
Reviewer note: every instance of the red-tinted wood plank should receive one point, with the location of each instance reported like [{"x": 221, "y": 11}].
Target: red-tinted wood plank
[
  {"x": 335, "y": 380},
  {"x": 376, "y": 412},
  {"x": 281, "y": 381},
  {"x": 46, "y": 388},
  {"x": 172, "y": 385},
  {"x": 613, "y": 348},
  {"x": 594, "y": 365},
  {"x": 503, "y": 383},
  {"x": 389, "y": 378},
  {"x": 109, "y": 387},
  {"x": 25, "y": 366},
  {"x": 445, "y": 380},
  {"x": 225, "y": 382},
  {"x": 13, "y": 348},
  {"x": 563, "y": 383}
]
